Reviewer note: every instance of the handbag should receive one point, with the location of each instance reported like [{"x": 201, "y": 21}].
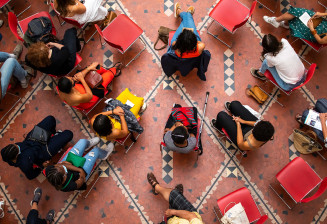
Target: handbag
[
  {"x": 93, "y": 79},
  {"x": 235, "y": 215},
  {"x": 40, "y": 135},
  {"x": 76, "y": 160},
  {"x": 163, "y": 35},
  {"x": 304, "y": 143},
  {"x": 257, "y": 94}
]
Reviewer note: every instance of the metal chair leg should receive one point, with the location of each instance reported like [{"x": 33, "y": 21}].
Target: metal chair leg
[
  {"x": 25, "y": 9},
  {"x": 216, "y": 36},
  {"x": 19, "y": 98},
  {"x": 133, "y": 59},
  {"x": 270, "y": 96}
]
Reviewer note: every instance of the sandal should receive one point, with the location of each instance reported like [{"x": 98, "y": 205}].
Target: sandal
[
  {"x": 2, "y": 213},
  {"x": 177, "y": 6},
  {"x": 153, "y": 182},
  {"x": 191, "y": 10},
  {"x": 118, "y": 66}
]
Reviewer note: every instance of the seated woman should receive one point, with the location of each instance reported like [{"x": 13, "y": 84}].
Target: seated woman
[
  {"x": 81, "y": 11},
  {"x": 186, "y": 42},
  {"x": 80, "y": 94},
  {"x": 282, "y": 62},
  {"x": 55, "y": 58},
  {"x": 29, "y": 153},
  {"x": 243, "y": 128},
  {"x": 298, "y": 28},
  {"x": 64, "y": 176},
  {"x": 177, "y": 137},
  {"x": 321, "y": 108},
  {"x": 120, "y": 117}
]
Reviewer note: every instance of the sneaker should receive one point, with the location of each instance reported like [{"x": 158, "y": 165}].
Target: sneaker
[
  {"x": 213, "y": 125},
  {"x": 50, "y": 216},
  {"x": 282, "y": 24},
  {"x": 262, "y": 58},
  {"x": 255, "y": 73},
  {"x": 24, "y": 84},
  {"x": 272, "y": 21},
  {"x": 18, "y": 50},
  {"x": 109, "y": 149},
  {"x": 93, "y": 142},
  {"x": 1, "y": 23},
  {"x": 143, "y": 108},
  {"x": 37, "y": 195},
  {"x": 227, "y": 105}
]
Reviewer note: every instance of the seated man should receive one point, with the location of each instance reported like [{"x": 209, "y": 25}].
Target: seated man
[
  {"x": 119, "y": 117},
  {"x": 180, "y": 209},
  {"x": 76, "y": 92},
  {"x": 320, "y": 107},
  {"x": 177, "y": 137},
  {"x": 29, "y": 153}
]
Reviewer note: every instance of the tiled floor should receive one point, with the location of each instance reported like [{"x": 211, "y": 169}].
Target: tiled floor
[{"x": 122, "y": 194}]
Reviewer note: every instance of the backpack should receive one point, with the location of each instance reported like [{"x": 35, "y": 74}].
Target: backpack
[
  {"x": 39, "y": 29},
  {"x": 186, "y": 115},
  {"x": 321, "y": 105}
]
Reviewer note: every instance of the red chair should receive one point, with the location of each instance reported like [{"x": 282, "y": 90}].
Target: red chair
[
  {"x": 298, "y": 179},
  {"x": 309, "y": 75},
  {"x": 4, "y": 3},
  {"x": 17, "y": 101},
  {"x": 244, "y": 197},
  {"x": 23, "y": 24},
  {"x": 121, "y": 33},
  {"x": 77, "y": 62},
  {"x": 231, "y": 15}
]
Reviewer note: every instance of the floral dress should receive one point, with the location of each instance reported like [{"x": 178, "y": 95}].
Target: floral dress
[{"x": 299, "y": 29}]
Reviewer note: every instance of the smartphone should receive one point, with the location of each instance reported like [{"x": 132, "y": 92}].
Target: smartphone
[{"x": 98, "y": 67}]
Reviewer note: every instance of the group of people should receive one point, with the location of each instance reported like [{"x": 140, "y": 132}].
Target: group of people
[{"x": 242, "y": 127}]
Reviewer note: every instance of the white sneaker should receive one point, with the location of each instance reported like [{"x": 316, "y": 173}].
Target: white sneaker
[
  {"x": 282, "y": 24},
  {"x": 24, "y": 84},
  {"x": 93, "y": 142},
  {"x": 272, "y": 21},
  {"x": 107, "y": 101},
  {"x": 109, "y": 149}
]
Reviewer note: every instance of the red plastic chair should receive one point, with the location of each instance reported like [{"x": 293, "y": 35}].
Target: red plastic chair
[
  {"x": 271, "y": 79},
  {"x": 231, "y": 15},
  {"x": 4, "y": 3},
  {"x": 23, "y": 24},
  {"x": 298, "y": 179},
  {"x": 244, "y": 197},
  {"x": 121, "y": 34},
  {"x": 77, "y": 62}
]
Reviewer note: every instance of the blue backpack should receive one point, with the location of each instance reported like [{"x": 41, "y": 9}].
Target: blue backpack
[{"x": 39, "y": 29}]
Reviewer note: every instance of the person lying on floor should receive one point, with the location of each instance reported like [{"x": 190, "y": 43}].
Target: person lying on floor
[
  {"x": 118, "y": 119},
  {"x": 243, "y": 128},
  {"x": 180, "y": 209},
  {"x": 64, "y": 176},
  {"x": 282, "y": 62},
  {"x": 32, "y": 156},
  {"x": 76, "y": 92},
  {"x": 177, "y": 137}
]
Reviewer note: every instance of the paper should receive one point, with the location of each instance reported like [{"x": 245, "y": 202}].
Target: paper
[
  {"x": 129, "y": 103},
  {"x": 305, "y": 18},
  {"x": 313, "y": 120},
  {"x": 255, "y": 113}
]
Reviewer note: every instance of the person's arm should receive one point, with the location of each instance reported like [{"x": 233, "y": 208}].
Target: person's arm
[
  {"x": 116, "y": 111},
  {"x": 240, "y": 140},
  {"x": 181, "y": 213},
  {"x": 323, "y": 124},
  {"x": 315, "y": 34},
  {"x": 201, "y": 47},
  {"x": 80, "y": 181},
  {"x": 52, "y": 44},
  {"x": 120, "y": 133},
  {"x": 79, "y": 8}
]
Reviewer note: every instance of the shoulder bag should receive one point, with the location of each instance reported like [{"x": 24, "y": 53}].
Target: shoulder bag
[
  {"x": 93, "y": 79},
  {"x": 257, "y": 94},
  {"x": 40, "y": 135},
  {"x": 163, "y": 35},
  {"x": 304, "y": 143}
]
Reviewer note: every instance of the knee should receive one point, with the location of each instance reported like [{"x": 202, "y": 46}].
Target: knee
[
  {"x": 234, "y": 105},
  {"x": 69, "y": 134},
  {"x": 222, "y": 115},
  {"x": 51, "y": 119}
]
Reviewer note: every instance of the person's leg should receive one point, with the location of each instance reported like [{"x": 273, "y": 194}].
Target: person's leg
[
  {"x": 179, "y": 202},
  {"x": 49, "y": 124},
  {"x": 285, "y": 17},
  {"x": 57, "y": 142},
  {"x": 91, "y": 157},
  {"x": 4, "y": 56},
  {"x": 71, "y": 41},
  {"x": 33, "y": 216},
  {"x": 238, "y": 110},
  {"x": 225, "y": 121},
  {"x": 78, "y": 148}
]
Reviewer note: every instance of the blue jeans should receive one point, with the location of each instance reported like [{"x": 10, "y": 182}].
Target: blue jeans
[
  {"x": 285, "y": 86},
  {"x": 188, "y": 22},
  {"x": 79, "y": 148},
  {"x": 10, "y": 67}
]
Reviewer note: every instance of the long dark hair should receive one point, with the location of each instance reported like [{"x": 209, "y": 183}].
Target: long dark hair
[
  {"x": 271, "y": 45},
  {"x": 62, "y": 6},
  {"x": 186, "y": 42},
  {"x": 54, "y": 176}
]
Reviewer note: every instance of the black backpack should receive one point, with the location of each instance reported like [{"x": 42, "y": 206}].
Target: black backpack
[{"x": 39, "y": 29}]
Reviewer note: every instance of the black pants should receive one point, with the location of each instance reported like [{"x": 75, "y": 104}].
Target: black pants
[
  {"x": 33, "y": 218},
  {"x": 55, "y": 142},
  {"x": 225, "y": 121},
  {"x": 73, "y": 45}
]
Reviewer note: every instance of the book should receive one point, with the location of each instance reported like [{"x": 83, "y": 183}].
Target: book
[
  {"x": 313, "y": 120},
  {"x": 305, "y": 18}
]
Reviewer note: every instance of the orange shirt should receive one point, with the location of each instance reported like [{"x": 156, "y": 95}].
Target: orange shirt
[{"x": 193, "y": 54}]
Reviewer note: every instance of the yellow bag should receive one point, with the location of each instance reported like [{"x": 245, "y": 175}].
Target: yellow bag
[{"x": 257, "y": 94}]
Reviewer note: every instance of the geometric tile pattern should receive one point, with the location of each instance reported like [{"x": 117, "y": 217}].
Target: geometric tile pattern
[
  {"x": 229, "y": 84},
  {"x": 167, "y": 164},
  {"x": 293, "y": 153},
  {"x": 110, "y": 5},
  {"x": 168, "y": 83},
  {"x": 108, "y": 59},
  {"x": 169, "y": 7},
  {"x": 284, "y": 5}
]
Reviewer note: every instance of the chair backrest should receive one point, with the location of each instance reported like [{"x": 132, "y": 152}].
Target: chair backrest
[
  {"x": 70, "y": 21},
  {"x": 254, "y": 3},
  {"x": 262, "y": 220},
  {"x": 99, "y": 30},
  {"x": 13, "y": 25},
  {"x": 309, "y": 76},
  {"x": 322, "y": 188}
]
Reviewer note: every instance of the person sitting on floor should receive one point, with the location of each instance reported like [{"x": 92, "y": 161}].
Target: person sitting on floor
[
  {"x": 321, "y": 108},
  {"x": 317, "y": 25},
  {"x": 177, "y": 137},
  {"x": 186, "y": 42},
  {"x": 11, "y": 67},
  {"x": 119, "y": 119},
  {"x": 282, "y": 62},
  {"x": 245, "y": 130},
  {"x": 55, "y": 58},
  {"x": 32, "y": 156},
  {"x": 80, "y": 94},
  {"x": 180, "y": 209},
  {"x": 65, "y": 177},
  {"x": 33, "y": 215}
]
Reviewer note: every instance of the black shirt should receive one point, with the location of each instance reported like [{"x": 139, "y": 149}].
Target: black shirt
[{"x": 70, "y": 184}]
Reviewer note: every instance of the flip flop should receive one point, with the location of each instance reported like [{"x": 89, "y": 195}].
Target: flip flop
[
  {"x": 177, "y": 6},
  {"x": 118, "y": 68},
  {"x": 153, "y": 182},
  {"x": 191, "y": 10}
]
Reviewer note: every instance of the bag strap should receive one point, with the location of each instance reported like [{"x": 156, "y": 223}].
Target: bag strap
[
  {"x": 188, "y": 119},
  {"x": 227, "y": 206},
  {"x": 71, "y": 177},
  {"x": 155, "y": 44}
]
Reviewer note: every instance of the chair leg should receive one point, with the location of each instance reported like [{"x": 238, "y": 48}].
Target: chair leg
[
  {"x": 19, "y": 98},
  {"x": 321, "y": 4},
  {"x": 267, "y": 7},
  {"x": 25, "y": 9},
  {"x": 279, "y": 196},
  {"x": 133, "y": 59},
  {"x": 216, "y": 36},
  {"x": 135, "y": 138},
  {"x": 94, "y": 181},
  {"x": 270, "y": 96}
]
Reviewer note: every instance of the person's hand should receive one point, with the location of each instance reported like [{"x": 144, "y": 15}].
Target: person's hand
[
  {"x": 93, "y": 66},
  {"x": 79, "y": 76},
  {"x": 238, "y": 120},
  {"x": 51, "y": 44},
  {"x": 323, "y": 116},
  {"x": 317, "y": 15},
  {"x": 82, "y": 173},
  {"x": 169, "y": 212},
  {"x": 119, "y": 111},
  {"x": 310, "y": 25},
  {"x": 177, "y": 124},
  {"x": 45, "y": 164}
]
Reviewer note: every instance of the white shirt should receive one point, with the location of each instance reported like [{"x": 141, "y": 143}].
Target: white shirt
[{"x": 287, "y": 63}]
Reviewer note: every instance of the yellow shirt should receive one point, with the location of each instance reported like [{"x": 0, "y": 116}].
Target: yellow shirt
[
  {"x": 116, "y": 125},
  {"x": 177, "y": 220}
]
